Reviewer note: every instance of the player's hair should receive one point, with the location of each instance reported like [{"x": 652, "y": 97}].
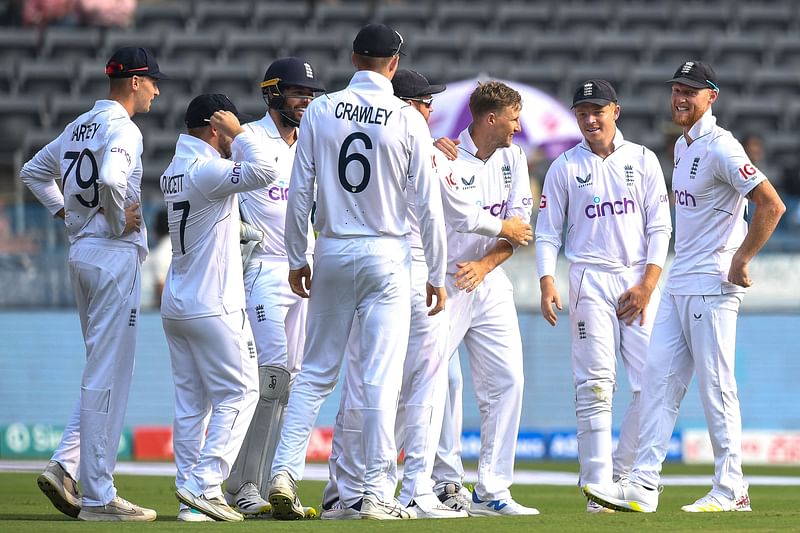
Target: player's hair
[
  {"x": 376, "y": 64},
  {"x": 491, "y": 97}
]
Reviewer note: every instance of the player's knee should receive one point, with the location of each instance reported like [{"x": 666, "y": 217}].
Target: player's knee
[{"x": 595, "y": 392}]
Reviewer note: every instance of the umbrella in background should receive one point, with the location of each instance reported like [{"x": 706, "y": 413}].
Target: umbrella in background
[{"x": 546, "y": 123}]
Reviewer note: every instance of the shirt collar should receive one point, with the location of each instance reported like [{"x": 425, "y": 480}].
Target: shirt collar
[
  {"x": 618, "y": 141},
  {"x": 113, "y": 106},
  {"x": 269, "y": 126},
  {"x": 703, "y": 126},
  {"x": 467, "y": 144},
  {"x": 367, "y": 80},
  {"x": 191, "y": 147}
]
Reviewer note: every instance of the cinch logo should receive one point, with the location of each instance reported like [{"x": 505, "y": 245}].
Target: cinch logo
[
  {"x": 684, "y": 197},
  {"x": 496, "y": 209},
  {"x": 468, "y": 183},
  {"x": 605, "y": 209},
  {"x": 583, "y": 182},
  {"x": 278, "y": 193}
]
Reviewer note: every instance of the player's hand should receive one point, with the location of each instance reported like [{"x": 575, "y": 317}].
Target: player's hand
[
  {"x": 435, "y": 292},
  {"x": 226, "y": 122},
  {"x": 470, "y": 274},
  {"x": 133, "y": 219},
  {"x": 739, "y": 273},
  {"x": 300, "y": 281},
  {"x": 448, "y": 147},
  {"x": 633, "y": 303},
  {"x": 550, "y": 296},
  {"x": 517, "y": 231}
]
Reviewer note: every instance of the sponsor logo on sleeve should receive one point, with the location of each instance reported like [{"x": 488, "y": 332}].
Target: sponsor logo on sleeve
[
  {"x": 747, "y": 171},
  {"x": 543, "y": 202}
]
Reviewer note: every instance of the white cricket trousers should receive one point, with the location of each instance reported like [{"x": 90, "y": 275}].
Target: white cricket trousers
[
  {"x": 447, "y": 467},
  {"x": 597, "y": 336},
  {"x": 105, "y": 276},
  {"x": 277, "y": 315},
  {"x": 215, "y": 371},
  {"x": 486, "y": 320},
  {"x": 369, "y": 278},
  {"x": 693, "y": 334},
  {"x": 419, "y": 412}
]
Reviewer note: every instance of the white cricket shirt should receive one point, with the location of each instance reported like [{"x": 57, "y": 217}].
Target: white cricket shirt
[
  {"x": 500, "y": 186},
  {"x": 266, "y": 208},
  {"x": 98, "y": 158},
  {"x": 616, "y": 209},
  {"x": 362, "y": 147},
  {"x": 712, "y": 176},
  {"x": 199, "y": 186}
]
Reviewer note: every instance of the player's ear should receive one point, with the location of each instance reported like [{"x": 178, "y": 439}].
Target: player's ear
[{"x": 617, "y": 109}]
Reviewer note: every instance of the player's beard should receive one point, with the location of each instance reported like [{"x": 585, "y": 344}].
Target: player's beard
[
  {"x": 686, "y": 119},
  {"x": 290, "y": 117}
]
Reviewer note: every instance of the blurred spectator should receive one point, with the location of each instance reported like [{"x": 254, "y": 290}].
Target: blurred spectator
[
  {"x": 753, "y": 146},
  {"x": 106, "y": 13},
  {"x": 42, "y": 13}
]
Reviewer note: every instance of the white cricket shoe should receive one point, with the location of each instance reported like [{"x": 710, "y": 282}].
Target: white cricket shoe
[
  {"x": 248, "y": 501},
  {"x": 216, "y": 507},
  {"x": 623, "y": 496},
  {"x": 594, "y": 507},
  {"x": 187, "y": 514},
  {"x": 456, "y": 496},
  {"x": 429, "y": 506},
  {"x": 283, "y": 498},
  {"x": 338, "y": 511},
  {"x": 60, "y": 488},
  {"x": 117, "y": 510},
  {"x": 712, "y": 503},
  {"x": 373, "y": 508},
  {"x": 505, "y": 507}
]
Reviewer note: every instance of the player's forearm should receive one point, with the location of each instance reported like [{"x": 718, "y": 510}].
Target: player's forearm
[
  {"x": 650, "y": 277},
  {"x": 658, "y": 247},
  {"x": 768, "y": 213},
  {"x": 498, "y": 254}
]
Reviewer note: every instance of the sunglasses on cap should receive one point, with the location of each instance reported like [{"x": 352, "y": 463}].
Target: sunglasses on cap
[{"x": 426, "y": 101}]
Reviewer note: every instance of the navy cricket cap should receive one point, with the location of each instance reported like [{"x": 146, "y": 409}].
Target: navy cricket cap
[
  {"x": 377, "y": 40},
  {"x": 202, "y": 107},
  {"x": 411, "y": 84},
  {"x": 291, "y": 71},
  {"x": 696, "y": 74},
  {"x": 133, "y": 61},
  {"x": 598, "y": 92}
]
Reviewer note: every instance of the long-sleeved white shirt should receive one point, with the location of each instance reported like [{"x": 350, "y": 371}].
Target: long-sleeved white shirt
[
  {"x": 362, "y": 147},
  {"x": 265, "y": 208},
  {"x": 500, "y": 186},
  {"x": 616, "y": 209},
  {"x": 712, "y": 176},
  {"x": 199, "y": 186},
  {"x": 98, "y": 158}
]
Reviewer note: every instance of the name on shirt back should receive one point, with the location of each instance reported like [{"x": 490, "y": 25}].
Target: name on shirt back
[
  {"x": 359, "y": 113},
  {"x": 85, "y": 132}
]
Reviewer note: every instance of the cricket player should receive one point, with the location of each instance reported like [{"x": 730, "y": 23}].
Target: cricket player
[
  {"x": 98, "y": 162},
  {"x": 211, "y": 345},
  {"x": 277, "y": 315},
  {"x": 423, "y": 390},
  {"x": 363, "y": 148},
  {"x": 492, "y": 172},
  {"x": 695, "y": 328},
  {"x": 611, "y": 195}
]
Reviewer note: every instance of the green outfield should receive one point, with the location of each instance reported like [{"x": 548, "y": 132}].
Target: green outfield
[{"x": 24, "y": 509}]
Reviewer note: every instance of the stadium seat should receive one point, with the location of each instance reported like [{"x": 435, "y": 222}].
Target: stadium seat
[
  {"x": 738, "y": 50},
  {"x": 577, "y": 73},
  {"x": 643, "y": 18},
  {"x": 254, "y": 47},
  {"x": 34, "y": 140},
  {"x": 20, "y": 114},
  {"x": 582, "y": 18},
  {"x": 437, "y": 48},
  {"x": 283, "y": 17},
  {"x": 159, "y": 145},
  {"x": 169, "y": 16},
  {"x": 491, "y": 50},
  {"x": 235, "y": 79},
  {"x": 71, "y": 44},
  {"x": 18, "y": 44},
  {"x": 8, "y": 78},
  {"x": 226, "y": 16},
  {"x": 703, "y": 18},
  {"x": 45, "y": 78},
  {"x": 750, "y": 113},
  {"x": 91, "y": 81},
  {"x": 319, "y": 48},
  {"x": 650, "y": 81},
  {"x": 159, "y": 118},
  {"x": 408, "y": 19},
  {"x": 768, "y": 20},
  {"x": 558, "y": 48},
  {"x": 64, "y": 109},
  {"x": 617, "y": 49},
  {"x": 732, "y": 80},
  {"x": 548, "y": 78},
  {"x": 464, "y": 71},
  {"x": 786, "y": 51},
  {"x": 672, "y": 49},
  {"x": 341, "y": 19},
  {"x": 183, "y": 77},
  {"x": 192, "y": 47},
  {"x": 524, "y": 19},
  {"x": 775, "y": 83},
  {"x": 640, "y": 116},
  {"x": 463, "y": 17},
  {"x": 336, "y": 77},
  {"x": 152, "y": 39}
]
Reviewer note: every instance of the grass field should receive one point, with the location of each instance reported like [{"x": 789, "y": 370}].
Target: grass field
[{"x": 24, "y": 509}]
